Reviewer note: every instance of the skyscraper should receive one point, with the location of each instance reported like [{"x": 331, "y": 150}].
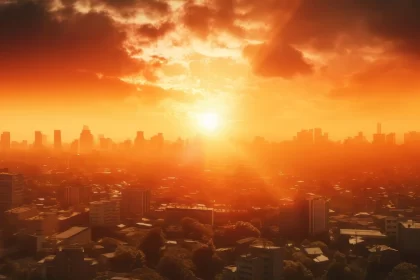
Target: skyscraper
[
  {"x": 135, "y": 202},
  {"x": 5, "y": 141},
  {"x": 11, "y": 190},
  {"x": 378, "y": 137},
  {"x": 38, "y": 140},
  {"x": 86, "y": 141},
  {"x": 57, "y": 139},
  {"x": 139, "y": 141}
]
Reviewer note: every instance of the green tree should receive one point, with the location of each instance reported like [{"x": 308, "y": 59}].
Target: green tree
[
  {"x": 173, "y": 269},
  {"x": 127, "y": 258},
  {"x": 296, "y": 271},
  {"x": 208, "y": 264},
  {"x": 404, "y": 271},
  {"x": 152, "y": 245}
]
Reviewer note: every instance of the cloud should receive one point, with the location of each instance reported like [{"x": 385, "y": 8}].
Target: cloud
[
  {"x": 216, "y": 17},
  {"x": 130, "y": 8},
  {"x": 153, "y": 33},
  {"x": 277, "y": 60},
  {"x": 73, "y": 56}
]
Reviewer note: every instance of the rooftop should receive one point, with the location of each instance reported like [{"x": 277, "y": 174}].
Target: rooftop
[
  {"x": 362, "y": 233},
  {"x": 313, "y": 251},
  {"x": 410, "y": 224},
  {"x": 71, "y": 232}
]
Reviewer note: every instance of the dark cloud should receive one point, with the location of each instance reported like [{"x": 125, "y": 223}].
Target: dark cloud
[
  {"x": 153, "y": 33},
  {"x": 218, "y": 16},
  {"x": 277, "y": 60}
]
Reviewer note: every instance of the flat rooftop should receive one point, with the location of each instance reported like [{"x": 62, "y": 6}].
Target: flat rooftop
[
  {"x": 362, "y": 233},
  {"x": 410, "y": 224},
  {"x": 71, "y": 232}
]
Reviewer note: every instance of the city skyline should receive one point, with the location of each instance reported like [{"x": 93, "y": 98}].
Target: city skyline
[
  {"x": 166, "y": 62},
  {"x": 312, "y": 136}
]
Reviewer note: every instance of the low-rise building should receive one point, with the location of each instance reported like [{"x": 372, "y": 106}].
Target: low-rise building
[{"x": 74, "y": 235}]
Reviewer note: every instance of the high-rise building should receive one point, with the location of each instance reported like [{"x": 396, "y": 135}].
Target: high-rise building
[
  {"x": 5, "y": 141},
  {"x": 86, "y": 141},
  {"x": 318, "y": 215},
  {"x": 11, "y": 190},
  {"x": 378, "y": 137},
  {"x": 57, "y": 139},
  {"x": 139, "y": 141},
  {"x": 73, "y": 194},
  {"x": 135, "y": 202},
  {"x": 38, "y": 143},
  {"x": 157, "y": 141},
  {"x": 105, "y": 213},
  {"x": 264, "y": 262},
  {"x": 305, "y": 137},
  {"x": 272, "y": 260},
  {"x": 74, "y": 147},
  {"x": 391, "y": 139},
  {"x": 69, "y": 263}
]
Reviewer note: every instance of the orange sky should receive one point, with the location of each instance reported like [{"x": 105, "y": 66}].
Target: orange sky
[{"x": 266, "y": 67}]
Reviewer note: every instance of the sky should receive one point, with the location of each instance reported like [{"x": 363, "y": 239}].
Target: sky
[{"x": 266, "y": 68}]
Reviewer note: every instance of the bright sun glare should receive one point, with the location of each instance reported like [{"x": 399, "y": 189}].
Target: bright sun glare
[{"x": 208, "y": 122}]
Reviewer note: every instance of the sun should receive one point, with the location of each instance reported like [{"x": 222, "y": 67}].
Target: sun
[{"x": 208, "y": 122}]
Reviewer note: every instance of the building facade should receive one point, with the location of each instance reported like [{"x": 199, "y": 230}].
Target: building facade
[{"x": 105, "y": 213}]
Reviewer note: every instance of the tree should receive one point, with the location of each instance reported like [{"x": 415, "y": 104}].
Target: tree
[
  {"x": 127, "y": 258},
  {"x": 208, "y": 264},
  {"x": 296, "y": 271},
  {"x": 152, "y": 245},
  {"x": 173, "y": 269},
  {"x": 245, "y": 229},
  {"x": 339, "y": 271},
  {"x": 195, "y": 230},
  {"x": 404, "y": 271}
]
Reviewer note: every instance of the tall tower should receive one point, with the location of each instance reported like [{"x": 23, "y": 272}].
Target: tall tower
[
  {"x": 57, "y": 139},
  {"x": 86, "y": 141},
  {"x": 38, "y": 144},
  {"x": 5, "y": 141},
  {"x": 378, "y": 128}
]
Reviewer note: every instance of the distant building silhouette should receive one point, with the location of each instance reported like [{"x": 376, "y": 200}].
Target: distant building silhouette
[
  {"x": 57, "y": 140},
  {"x": 38, "y": 143},
  {"x": 86, "y": 141},
  {"x": 5, "y": 142}
]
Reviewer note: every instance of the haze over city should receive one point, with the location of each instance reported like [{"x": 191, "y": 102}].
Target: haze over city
[{"x": 209, "y": 139}]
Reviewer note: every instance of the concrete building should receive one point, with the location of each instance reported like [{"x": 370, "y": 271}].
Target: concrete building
[
  {"x": 11, "y": 191},
  {"x": 175, "y": 213},
  {"x": 272, "y": 260},
  {"x": 391, "y": 226},
  {"x": 68, "y": 264},
  {"x": 318, "y": 215},
  {"x": 249, "y": 267},
  {"x": 43, "y": 224},
  {"x": 135, "y": 202},
  {"x": 408, "y": 237},
  {"x": 74, "y": 235},
  {"x": 105, "y": 213}
]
